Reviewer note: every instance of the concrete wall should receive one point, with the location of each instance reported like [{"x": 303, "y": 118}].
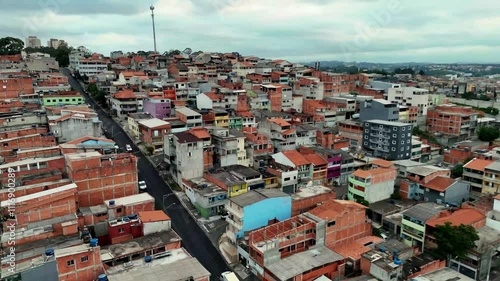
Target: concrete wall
[
  {"x": 154, "y": 227},
  {"x": 75, "y": 128},
  {"x": 258, "y": 214},
  {"x": 380, "y": 191},
  {"x": 475, "y": 103}
]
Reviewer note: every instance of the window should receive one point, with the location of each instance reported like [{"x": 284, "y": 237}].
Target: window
[
  {"x": 394, "y": 142},
  {"x": 119, "y": 210},
  {"x": 394, "y": 135},
  {"x": 408, "y": 141},
  {"x": 70, "y": 263},
  {"x": 84, "y": 259},
  {"x": 407, "y": 147},
  {"x": 366, "y": 143},
  {"x": 403, "y": 129},
  {"x": 366, "y": 137},
  {"x": 402, "y": 142},
  {"x": 393, "y": 149},
  {"x": 332, "y": 223},
  {"x": 190, "y": 153},
  {"x": 121, "y": 230},
  {"x": 394, "y": 129}
]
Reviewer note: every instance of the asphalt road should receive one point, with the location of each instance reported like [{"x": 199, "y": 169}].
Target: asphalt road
[{"x": 193, "y": 237}]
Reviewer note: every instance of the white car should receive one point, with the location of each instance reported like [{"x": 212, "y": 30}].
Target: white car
[
  {"x": 142, "y": 185},
  {"x": 128, "y": 148}
]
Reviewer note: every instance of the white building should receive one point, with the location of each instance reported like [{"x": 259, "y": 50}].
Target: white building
[
  {"x": 91, "y": 66},
  {"x": 242, "y": 69},
  {"x": 32, "y": 42},
  {"x": 55, "y": 43},
  {"x": 154, "y": 221},
  {"x": 411, "y": 96},
  {"x": 74, "y": 59}
]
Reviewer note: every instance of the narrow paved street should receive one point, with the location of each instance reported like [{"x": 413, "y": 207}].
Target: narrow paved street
[{"x": 193, "y": 237}]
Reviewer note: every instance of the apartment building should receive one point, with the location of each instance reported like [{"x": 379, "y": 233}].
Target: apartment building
[
  {"x": 353, "y": 131},
  {"x": 133, "y": 120},
  {"x": 379, "y": 109},
  {"x": 474, "y": 173},
  {"x": 456, "y": 123},
  {"x": 227, "y": 147},
  {"x": 257, "y": 145},
  {"x": 152, "y": 132},
  {"x": 387, "y": 140},
  {"x": 123, "y": 103},
  {"x": 102, "y": 177},
  {"x": 62, "y": 99},
  {"x": 32, "y": 42},
  {"x": 321, "y": 113},
  {"x": 184, "y": 152},
  {"x": 91, "y": 66},
  {"x": 411, "y": 96},
  {"x": 413, "y": 229},
  {"x": 15, "y": 87},
  {"x": 33, "y": 170},
  {"x": 280, "y": 132},
  {"x": 207, "y": 197},
  {"x": 310, "y": 88},
  {"x": 255, "y": 209},
  {"x": 74, "y": 125},
  {"x": 294, "y": 160},
  {"x": 371, "y": 185},
  {"x": 280, "y": 96},
  {"x": 189, "y": 116},
  {"x": 491, "y": 179},
  {"x": 158, "y": 107}
]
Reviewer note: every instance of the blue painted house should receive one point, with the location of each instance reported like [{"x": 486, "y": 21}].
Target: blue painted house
[{"x": 254, "y": 209}]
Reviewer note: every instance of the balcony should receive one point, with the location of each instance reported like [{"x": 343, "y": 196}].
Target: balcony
[
  {"x": 238, "y": 225},
  {"x": 376, "y": 128},
  {"x": 234, "y": 211}
]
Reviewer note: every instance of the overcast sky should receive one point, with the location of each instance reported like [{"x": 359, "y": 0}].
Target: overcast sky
[{"x": 299, "y": 30}]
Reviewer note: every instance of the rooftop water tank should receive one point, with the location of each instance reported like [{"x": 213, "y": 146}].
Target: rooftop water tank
[
  {"x": 93, "y": 242},
  {"x": 102, "y": 277},
  {"x": 148, "y": 259},
  {"x": 49, "y": 252},
  {"x": 112, "y": 203},
  {"x": 132, "y": 217}
]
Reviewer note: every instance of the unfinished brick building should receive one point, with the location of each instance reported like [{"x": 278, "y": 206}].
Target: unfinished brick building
[{"x": 102, "y": 177}]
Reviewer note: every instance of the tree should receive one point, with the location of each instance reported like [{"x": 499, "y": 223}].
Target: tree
[
  {"x": 421, "y": 72},
  {"x": 11, "y": 46},
  {"x": 457, "y": 171},
  {"x": 488, "y": 133},
  {"x": 455, "y": 241},
  {"x": 396, "y": 196},
  {"x": 61, "y": 54}
]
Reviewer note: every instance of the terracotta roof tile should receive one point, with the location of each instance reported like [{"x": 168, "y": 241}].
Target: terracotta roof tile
[
  {"x": 245, "y": 114},
  {"x": 153, "y": 216},
  {"x": 125, "y": 94},
  {"x": 279, "y": 121},
  {"x": 477, "y": 164},
  {"x": 332, "y": 209},
  {"x": 440, "y": 183},
  {"x": 213, "y": 96},
  {"x": 382, "y": 163},
  {"x": 200, "y": 133},
  {"x": 369, "y": 173},
  {"x": 463, "y": 216},
  {"x": 352, "y": 250},
  {"x": 315, "y": 159},
  {"x": 288, "y": 132},
  {"x": 296, "y": 158}
]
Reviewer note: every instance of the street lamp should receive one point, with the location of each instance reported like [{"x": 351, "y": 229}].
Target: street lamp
[
  {"x": 165, "y": 196},
  {"x": 168, "y": 206},
  {"x": 152, "y": 8}
]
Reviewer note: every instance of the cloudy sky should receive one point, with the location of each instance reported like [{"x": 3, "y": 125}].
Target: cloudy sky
[{"x": 299, "y": 30}]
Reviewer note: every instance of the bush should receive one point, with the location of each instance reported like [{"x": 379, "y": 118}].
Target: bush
[{"x": 150, "y": 149}]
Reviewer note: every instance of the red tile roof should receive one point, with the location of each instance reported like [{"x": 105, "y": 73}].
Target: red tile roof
[
  {"x": 440, "y": 183},
  {"x": 213, "y": 96},
  {"x": 245, "y": 114},
  {"x": 125, "y": 94},
  {"x": 296, "y": 158},
  {"x": 153, "y": 216},
  {"x": 352, "y": 250},
  {"x": 462, "y": 216},
  {"x": 382, "y": 163},
  {"x": 332, "y": 209},
  {"x": 369, "y": 173},
  {"x": 477, "y": 164},
  {"x": 315, "y": 159},
  {"x": 200, "y": 132},
  {"x": 288, "y": 132},
  {"x": 281, "y": 122}
]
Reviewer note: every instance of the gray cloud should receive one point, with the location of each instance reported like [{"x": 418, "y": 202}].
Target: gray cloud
[{"x": 296, "y": 29}]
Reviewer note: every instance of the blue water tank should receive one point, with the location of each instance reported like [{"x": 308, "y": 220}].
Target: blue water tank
[
  {"x": 125, "y": 219},
  {"x": 148, "y": 259},
  {"x": 382, "y": 249},
  {"x": 112, "y": 203},
  {"x": 49, "y": 252},
  {"x": 397, "y": 261},
  {"x": 93, "y": 242},
  {"x": 102, "y": 277},
  {"x": 132, "y": 217}
]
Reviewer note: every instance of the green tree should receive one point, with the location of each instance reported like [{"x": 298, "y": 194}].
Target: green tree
[
  {"x": 488, "y": 133},
  {"x": 421, "y": 72},
  {"x": 396, "y": 196},
  {"x": 11, "y": 46},
  {"x": 455, "y": 241},
  {"x": 457, "y": 171}
]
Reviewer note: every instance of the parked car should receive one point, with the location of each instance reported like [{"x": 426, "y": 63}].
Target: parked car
[
  {"x": 142, "y": 185},
  {"x": 128, "y": 148}
]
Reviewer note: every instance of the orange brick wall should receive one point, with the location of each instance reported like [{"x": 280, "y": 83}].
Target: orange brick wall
[
  {"x": 305, "y": 204},
  {"x": 46, "y": 207},
  {"x": 98, "y": 180},
  {"x": 27, "y": 142},
  {"x": 404, "y": 189},
  {"x": 22, "y": 154},
  {"x": 30, "y": 189},
  {"x": 80, "y": 271},
  {"x": 456, "y": 156},
  {"x": 428, "y": 268},
  {"x": 10, "y": 88},
  {"x": 348, "y": 228},
  {"x": 52, "y": 166}
]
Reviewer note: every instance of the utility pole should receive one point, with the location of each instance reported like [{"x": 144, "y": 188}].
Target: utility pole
[{"x": 152, "y": 8}]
